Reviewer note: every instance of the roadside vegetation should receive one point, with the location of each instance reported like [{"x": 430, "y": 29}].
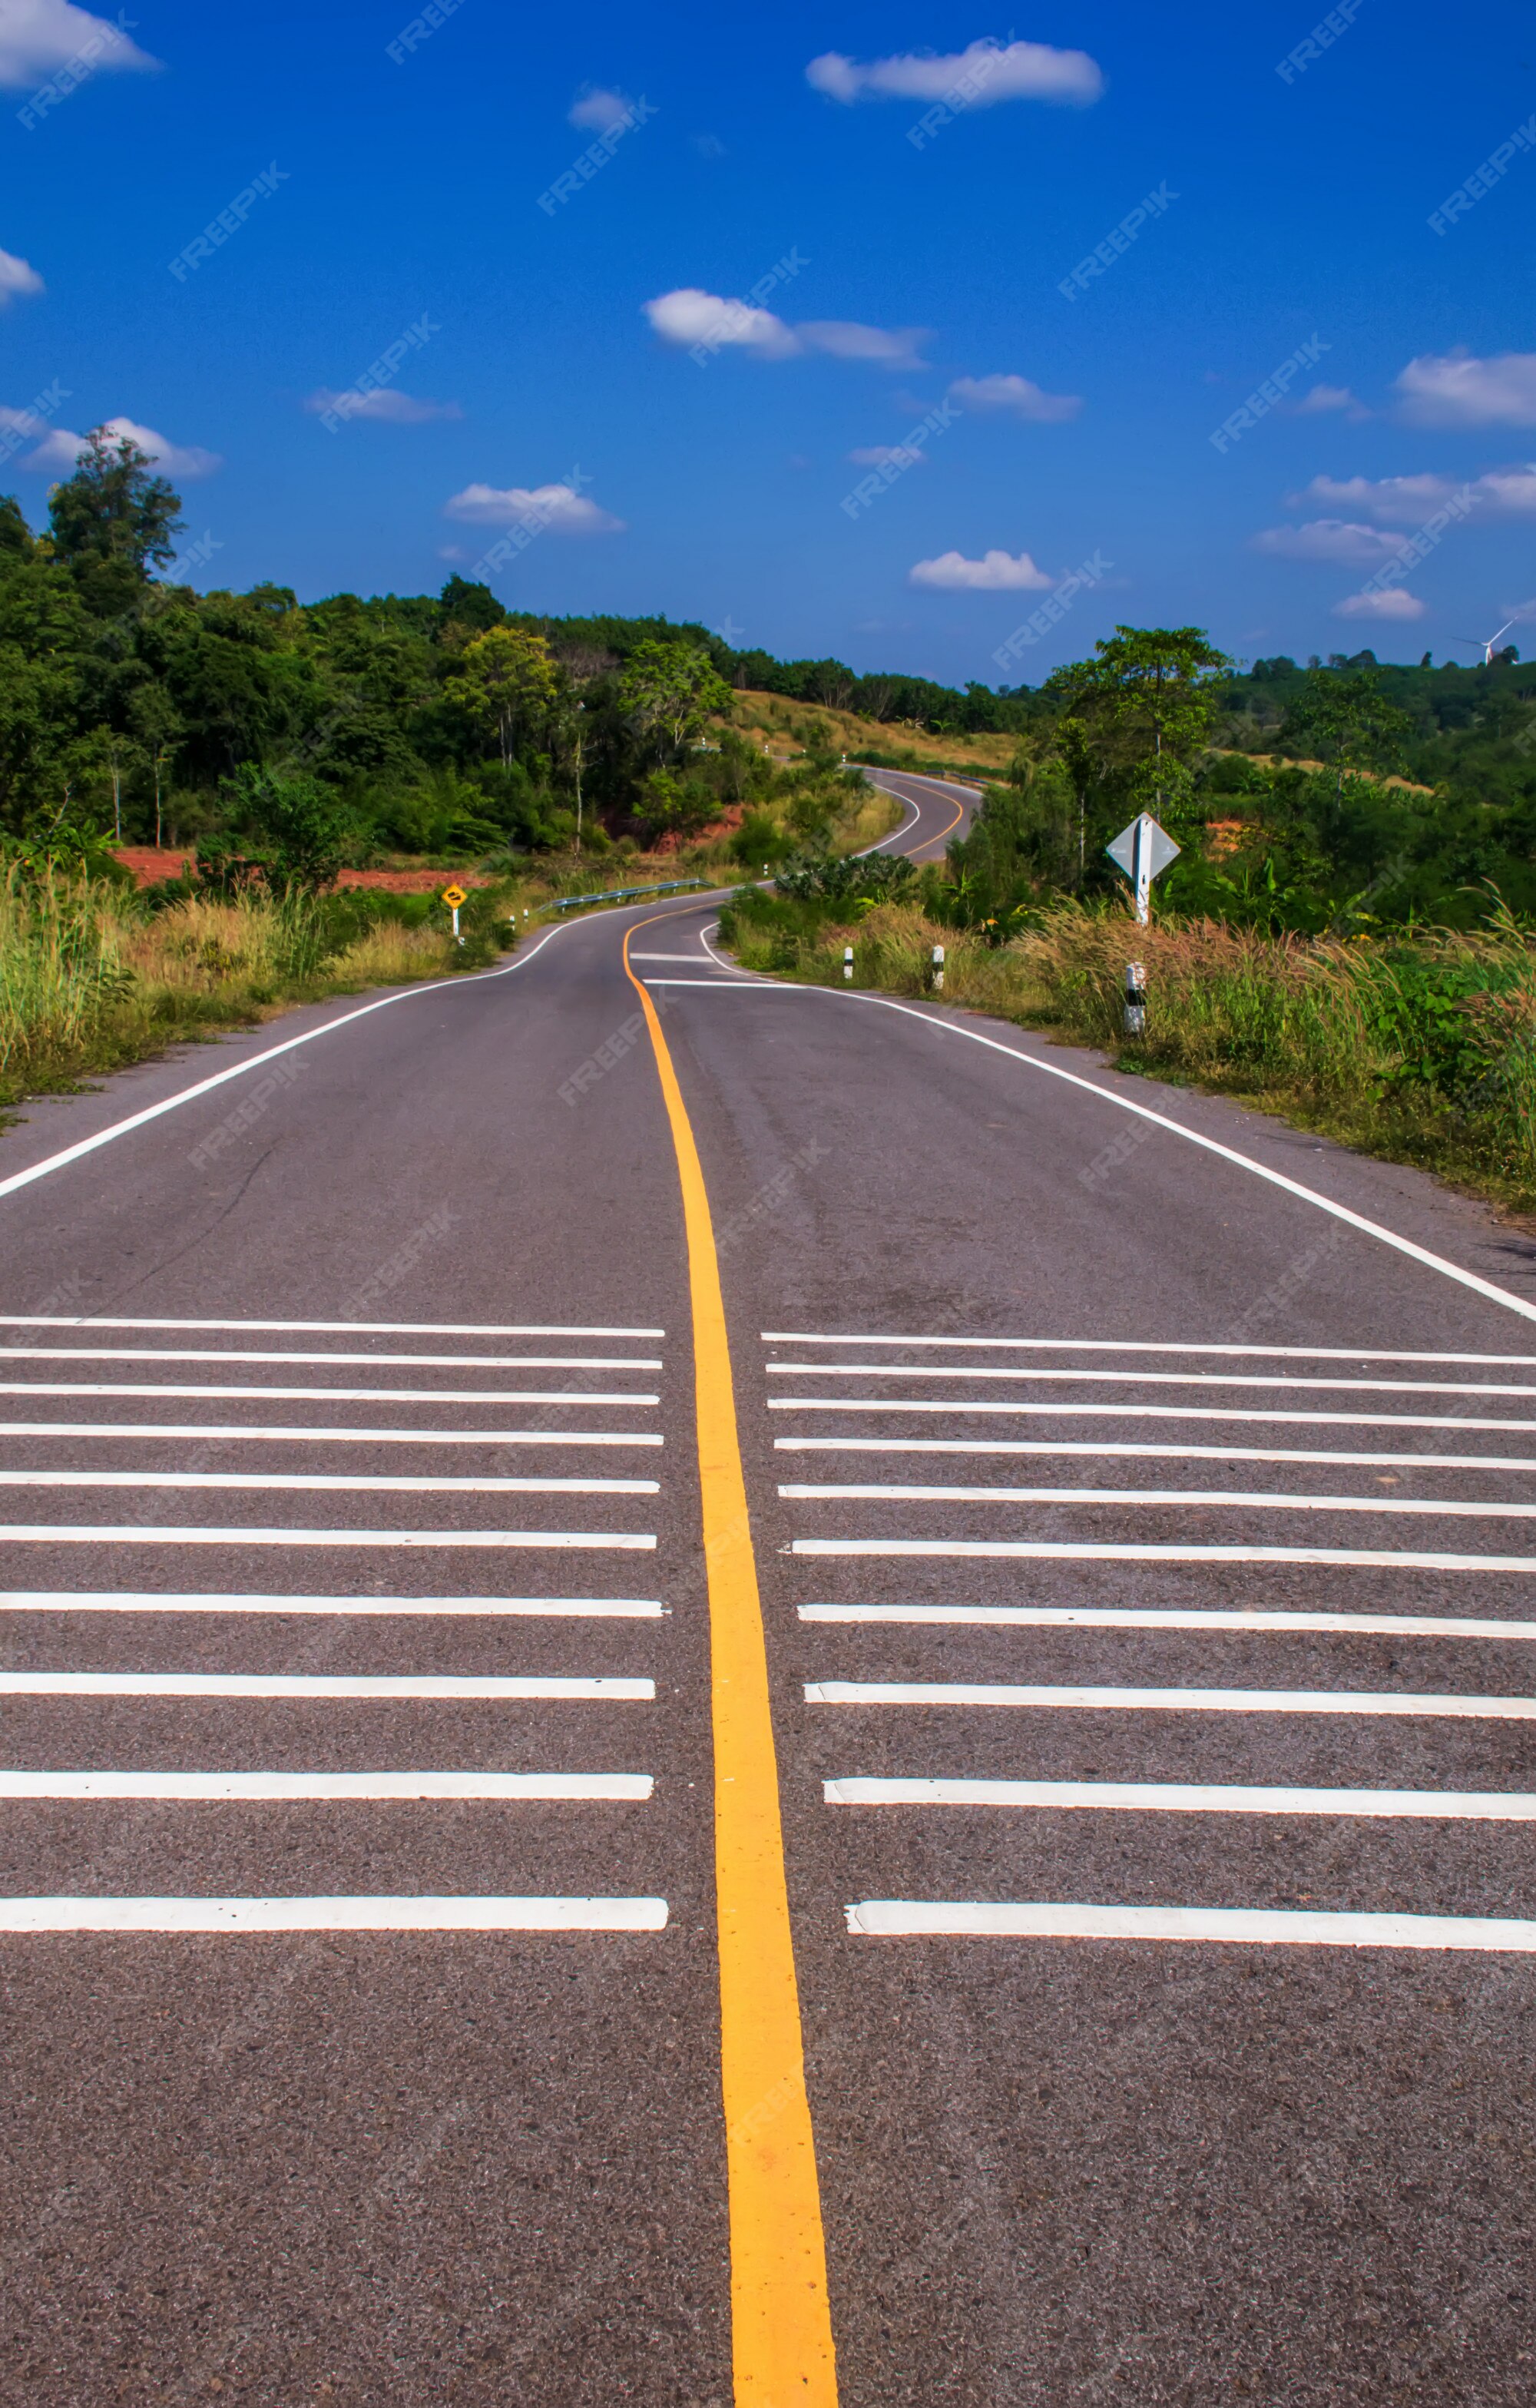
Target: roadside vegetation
[
  {"x": 1338, "y": 943},
  {"x": 1345, "y": 936}
]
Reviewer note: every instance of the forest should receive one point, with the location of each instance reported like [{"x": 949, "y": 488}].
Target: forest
[{"x": 292, "y": 738}]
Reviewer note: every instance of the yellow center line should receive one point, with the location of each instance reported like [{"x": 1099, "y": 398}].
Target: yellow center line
[{"x": 780, "y": 2324}]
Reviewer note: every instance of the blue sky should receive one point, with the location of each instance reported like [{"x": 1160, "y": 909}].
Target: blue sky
[{"x": 695, "y": 455}]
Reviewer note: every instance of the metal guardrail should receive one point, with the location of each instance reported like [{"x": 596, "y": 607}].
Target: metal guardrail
[{"x": 628, "y": 893}]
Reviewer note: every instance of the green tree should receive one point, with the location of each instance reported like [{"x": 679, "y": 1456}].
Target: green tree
[
  {"x": 112, "y": 522},
  {"x": 1344, "y": 719},
  {"x": 668, "y": 691},
  {"x": 158, "y": 728},
  {"x": 1143, "y": 709},
  {"x": 299, "y": 832},
  {"x": 506, "y": 681},
  {"x": 15, "y": 535}
]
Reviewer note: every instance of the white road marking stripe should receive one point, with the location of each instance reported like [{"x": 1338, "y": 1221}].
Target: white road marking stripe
[
  {"x": 290, "y": 1788},
  {"x": 1191, "y": 1797},
  {"x": 423, "y": 1436},
  {"x": 381, "y": 1688},
  {"x": 1287, "y": 1379},
  {"x": 942, "y": 1025},
  {"x": 1084, "y": 1551},
  {"x": 1291, "y": 1928},
  {"x": 148, "y": 1600},
  {"x": 692, "y": 959},
  {"x": 1097, "y": 1448},
  {"x": 965, "y": 1408},
  {"x": 261, "y": 1355},
  {"x": 253, "y": 1061},
  {"x": 582, "y": 1397},
  {"x": 1253, "y": 1499},
  {"x": 371, "y": 1483},
  {"x": 1213, "y": 1701},
  {"x": 333, "y": 1914},
  {"x": 338, "y": 1328},
  {"x": 137, "y": 1534},
  {"x": 1114, "y": 1617},
  {"x": 1144, "y": 1346}
]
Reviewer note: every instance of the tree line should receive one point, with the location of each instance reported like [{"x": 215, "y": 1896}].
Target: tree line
[{"x": 257, "y": 727}]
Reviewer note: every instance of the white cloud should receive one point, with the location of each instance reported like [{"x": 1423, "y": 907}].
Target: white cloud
[
  {"x": 1455, "y": 390},
  {"x": 1336, "y": 539},
  {"x": 16, "y": 278},
  {"x": 888, "y": 455},
  {"x": 1398, "y": 501},
  {"x": 385, "y": 404},
  {"x": 977, "y": 77},
  {"x": 1016, "y": 395},
  {"x": 1512, "y": 491},
  {"x": 37, "y": 36},
  {"x": 1407, "y": 501},
  {"x": 1329, "y": 396},
  {"x": 690, "y": 316},
  {"x": 599, "y": 110},
  {"x": 996, "y": 572},
  {"x": 842, "y": 339},
  {"x": 1396, "y": 602},
  {"x": 559, "y": 507},
  {"x": 57, "y": 453}
]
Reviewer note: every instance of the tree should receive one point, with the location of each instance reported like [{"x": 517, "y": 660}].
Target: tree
[
  {"x": 1143, "y": 706},
  {"x": 112, "y": 522},
  {"x": 469, "y": 606},
  {"x": 506, "y": 680},
  {"x": 1344, "y": 718},
  {"x": 159, "y": 728},
  {"x": 668, "y": 691},
  {"x": 15, "y": 533},
  {"x": 300, "y": 832}
]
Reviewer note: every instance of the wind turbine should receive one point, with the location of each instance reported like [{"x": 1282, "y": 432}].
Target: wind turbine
[{"x": 1486, "y": 643}]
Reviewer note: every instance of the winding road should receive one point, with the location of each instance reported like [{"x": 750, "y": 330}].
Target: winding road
[{"x": 721, "y": 1691}]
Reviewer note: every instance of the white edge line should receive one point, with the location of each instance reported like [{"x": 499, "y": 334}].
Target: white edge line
[
  {"x": 1092, "y": 1449},
  {"x": 333, "y": 1914},
  {"x": 1383, "y": 1558},
  {"x": 817, "y": 1492},
  {"x": 1095, "y": 1617},
  {"x": 107, "y": 1534},
  {"x": 1187, "y": 1798},
  {"x": 28, "y": 1600},
  {"x": 332, "y": 1483},
  {"x": 1113, "y": 1700},
  {"x": 1135, "y": 1346},
  {"x": 381, "y": 1687},
  {"x": 285, "y": 1434},
  {"x": 253, "y": 1062},
  {"x": 909, "y": 1918},
  {"x": 288, "y": 1789},
  {"x": 341, "y": 1328},
  {"x": 1161, "y": 1120}
]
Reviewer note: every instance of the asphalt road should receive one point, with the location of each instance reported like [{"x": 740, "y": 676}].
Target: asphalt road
[{"x": 1164, "y": 2148}]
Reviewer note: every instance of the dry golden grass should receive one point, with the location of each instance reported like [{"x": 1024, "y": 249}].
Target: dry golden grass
[
  {"x": 89, "y": 980},
  {"x": 1420, "y": 1049}
]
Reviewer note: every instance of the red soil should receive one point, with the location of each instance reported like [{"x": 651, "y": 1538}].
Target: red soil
[{"x": 150, "y": 867}]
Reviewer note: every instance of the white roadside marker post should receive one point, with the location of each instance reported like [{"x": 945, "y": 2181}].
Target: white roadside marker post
[
  {"x": 1136, "y": 999},
  {"x": 1143, "y": 851},
  {"x": 848, "y": 960},
  {"x": 938, "y": 969}
]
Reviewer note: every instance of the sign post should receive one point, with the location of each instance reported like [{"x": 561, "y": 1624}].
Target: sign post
[
  {"x": 1143, "y": 851},
  {"x": 454, "y": 897}
]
